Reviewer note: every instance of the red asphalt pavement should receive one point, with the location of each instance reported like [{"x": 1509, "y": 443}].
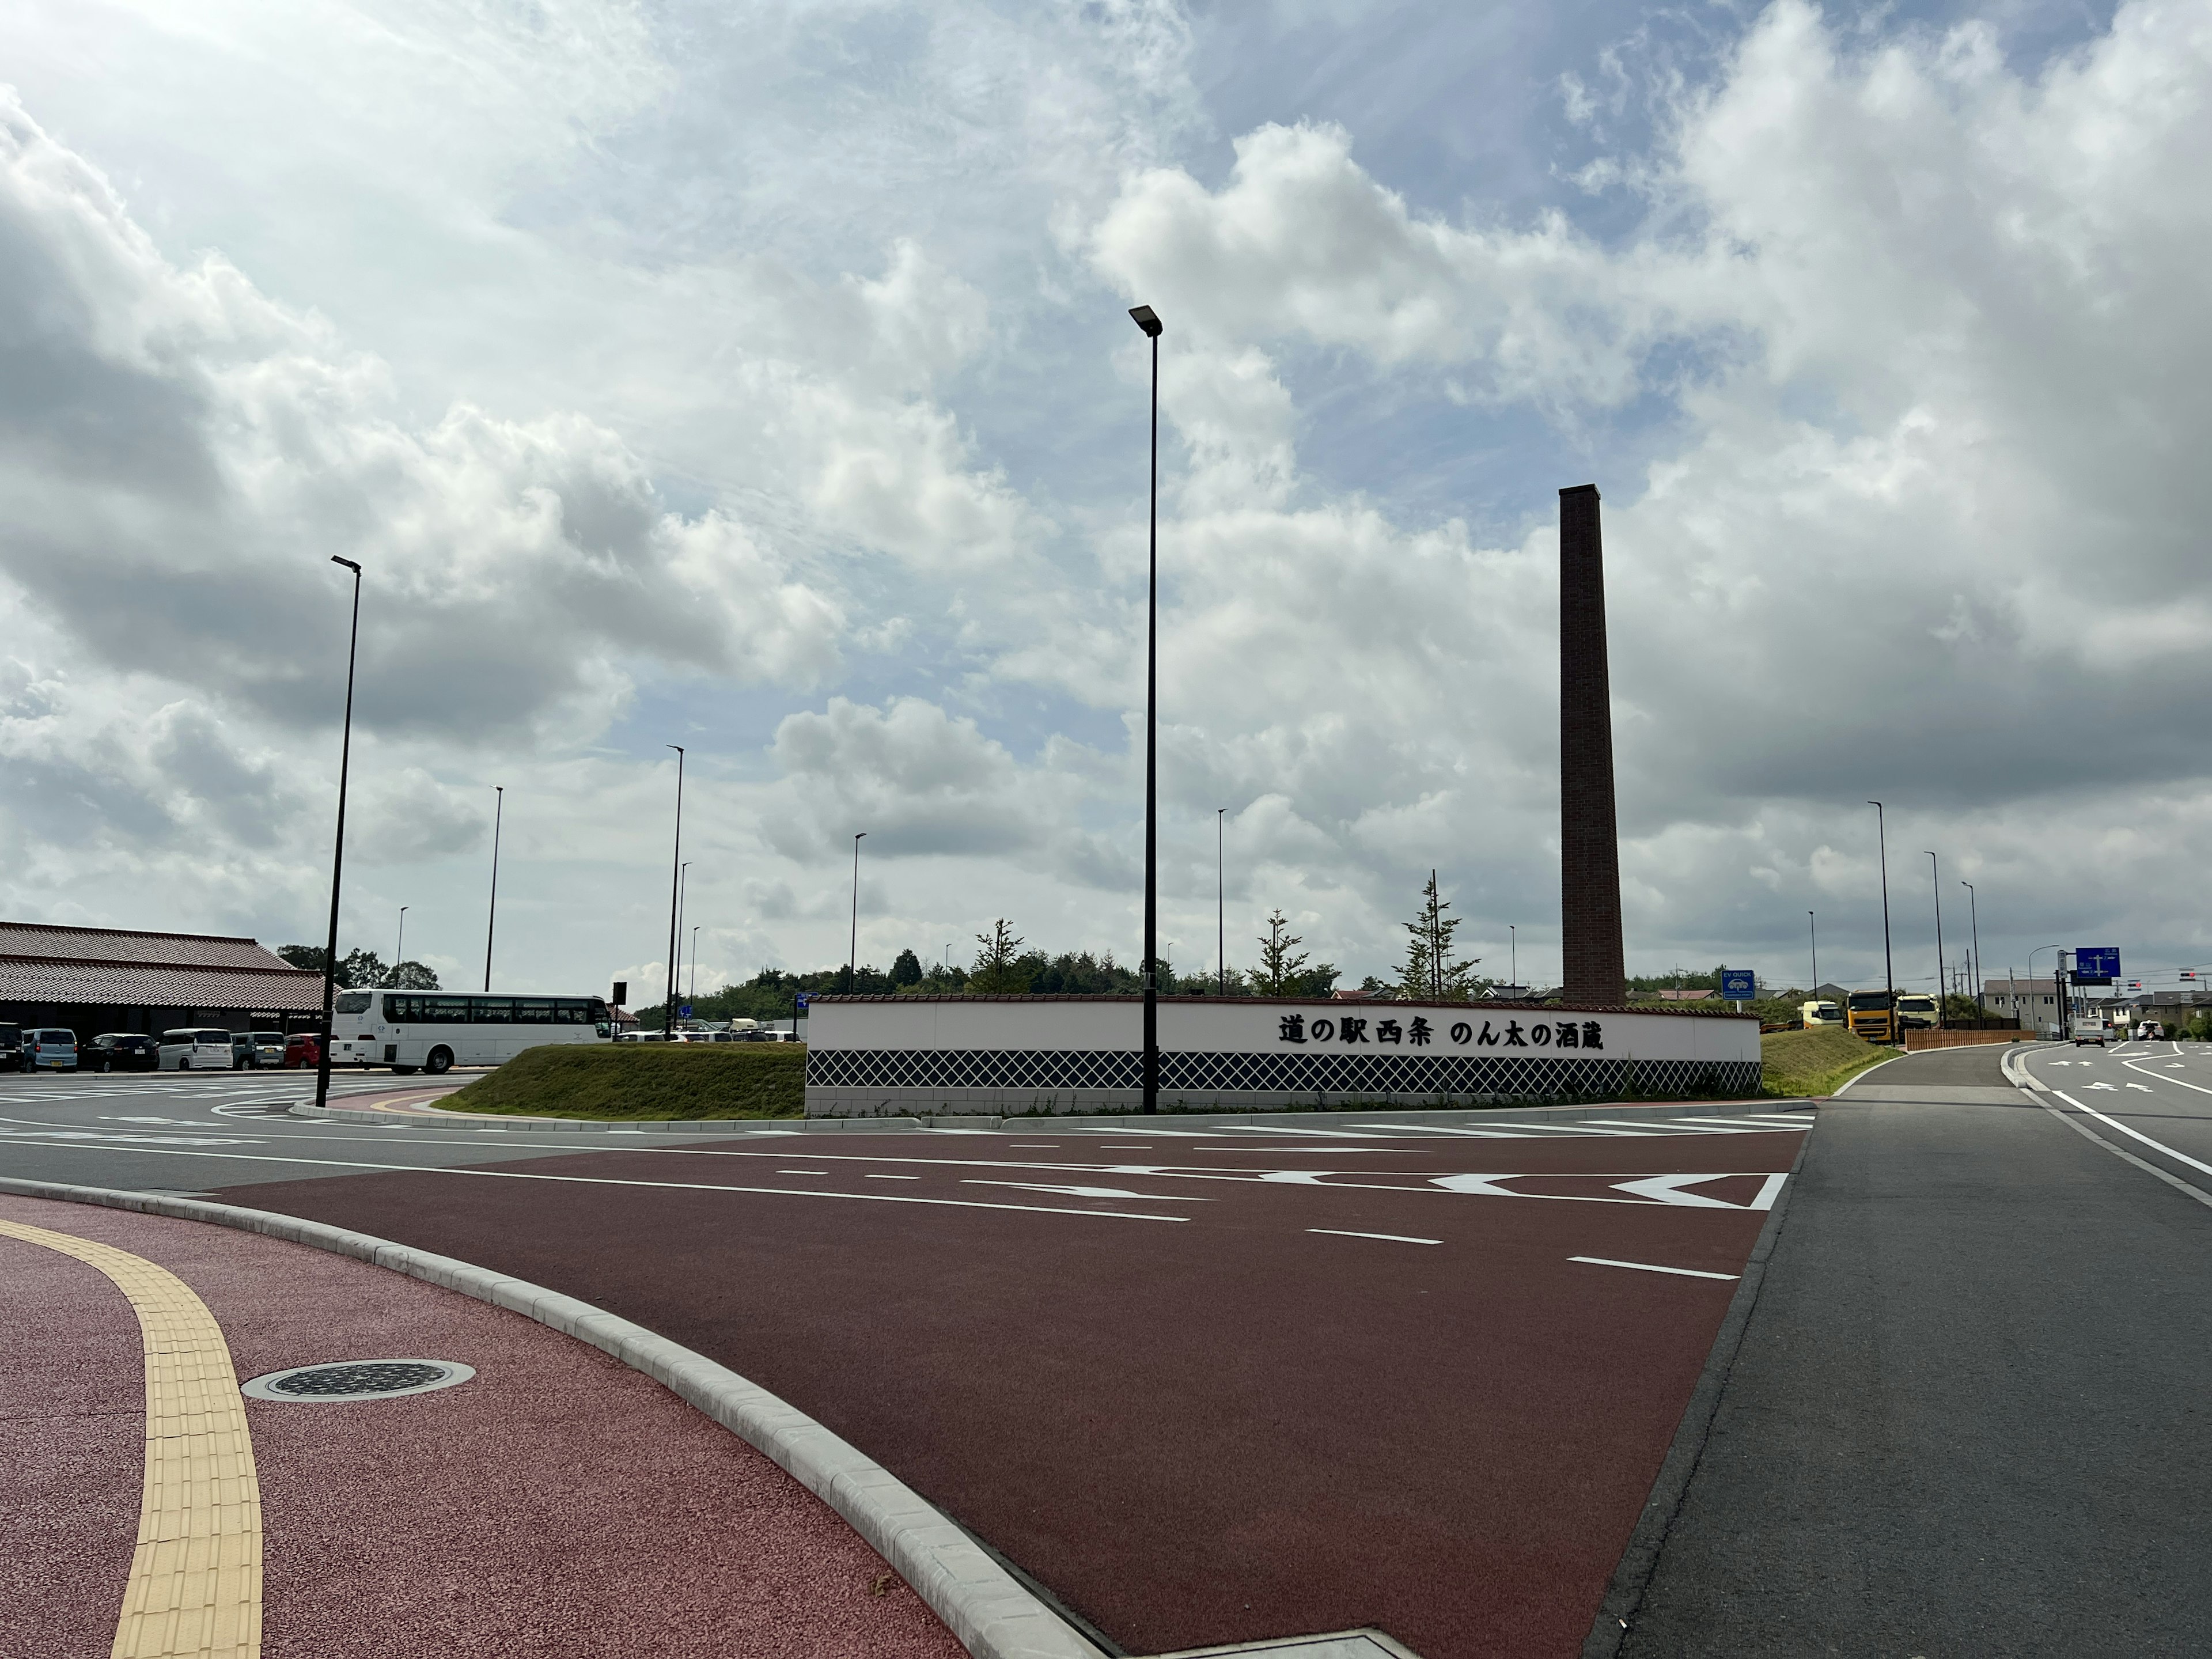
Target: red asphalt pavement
[
  {"x": 1212, "y": 1430},
  {"x": 557, "y": 1503}
]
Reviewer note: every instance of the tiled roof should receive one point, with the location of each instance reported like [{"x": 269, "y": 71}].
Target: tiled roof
[
  {"x": 115, "y": 945},
  {"x": 134, "y": 986},
  {"x": 111, "y": 966}
]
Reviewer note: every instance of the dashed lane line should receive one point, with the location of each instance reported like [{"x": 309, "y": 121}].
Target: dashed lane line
[
  {"x": 195, "y": 1583},
  {"x": 1387, "y": 1238}
]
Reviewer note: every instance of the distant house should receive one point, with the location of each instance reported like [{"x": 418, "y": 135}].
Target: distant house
[
  {"x": 1830, "y": 992},
  {"x": 2031, "y": 1001},
  {"x": 1682, "y": 994},
  {"x": 91, "y": 980}
]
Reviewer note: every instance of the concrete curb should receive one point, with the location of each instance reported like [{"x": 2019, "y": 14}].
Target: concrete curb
[
  {"x": 1640, "y": 1560},
  {"x": 983, "y": 1605},
  {"x": 1450, "y": 1117}
]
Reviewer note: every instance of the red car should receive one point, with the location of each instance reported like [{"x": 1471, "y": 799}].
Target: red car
[{"x": 303, "y": 1048}]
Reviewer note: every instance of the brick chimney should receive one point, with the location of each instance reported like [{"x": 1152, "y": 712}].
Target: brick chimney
[{"x": 1589, "y": 837}]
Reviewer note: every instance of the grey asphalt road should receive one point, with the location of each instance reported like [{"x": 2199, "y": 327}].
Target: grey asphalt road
[{"x": 1970, "y": 1414}]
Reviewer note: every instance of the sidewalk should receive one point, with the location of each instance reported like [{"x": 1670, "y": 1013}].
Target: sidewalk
[{"x": 557, "y": 1502}]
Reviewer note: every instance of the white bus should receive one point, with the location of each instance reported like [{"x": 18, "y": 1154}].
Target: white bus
[{"x": 435, "y": 1031}]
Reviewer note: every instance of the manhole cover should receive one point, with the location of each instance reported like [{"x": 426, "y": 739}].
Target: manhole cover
[{"x": 342, "y": 1380}]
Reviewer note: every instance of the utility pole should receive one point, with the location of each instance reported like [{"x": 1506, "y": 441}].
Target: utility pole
[
  {"x": 491, "y": 913},
  {"x": 1973, "y": 912},
  {"x": 1812, "y": 928}
]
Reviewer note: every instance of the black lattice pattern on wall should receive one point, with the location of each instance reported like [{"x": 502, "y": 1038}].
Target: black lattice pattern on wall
[{"x": 1307, "y": 1072}]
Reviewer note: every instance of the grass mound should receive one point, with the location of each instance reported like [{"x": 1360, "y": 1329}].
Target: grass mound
[
  {"x": 1817, "y": 1061},
  {"x": 659, "y": 1081}
]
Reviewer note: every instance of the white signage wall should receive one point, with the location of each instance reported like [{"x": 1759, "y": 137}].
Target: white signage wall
[{"x": 870, "y": 1056}]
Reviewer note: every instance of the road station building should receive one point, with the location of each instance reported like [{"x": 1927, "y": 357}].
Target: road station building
[{"x": 91, "y": 980}]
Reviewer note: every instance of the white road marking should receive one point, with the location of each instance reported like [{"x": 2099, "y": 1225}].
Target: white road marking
[
  {"x": 1387, "y": 1238},
  {"x": 1668, "y": 1190},
  {"x": 170, "y": 1149},
  {"x": 804, "y": 1172},
  {"x": 1088, "y": 1192},
  {"x": 2145, "y": 1087},
  {"x": 1651, "y": 1267},
  {"x": 2178, "y": 1157},
  {"x": 2099, "y": 1085},
  {"x": 872, "y": 1176}
]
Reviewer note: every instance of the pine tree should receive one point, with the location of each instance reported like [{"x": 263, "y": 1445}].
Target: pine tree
[
  {"x": 1430, "y": 974},
  {"x": 1278, "y": 970},
  {"x": 996, "y": 972},
  {"x": 906, "y": 969}
]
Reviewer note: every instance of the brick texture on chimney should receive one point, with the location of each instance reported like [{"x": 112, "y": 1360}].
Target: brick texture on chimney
[{"x": 1589, "y": 837}]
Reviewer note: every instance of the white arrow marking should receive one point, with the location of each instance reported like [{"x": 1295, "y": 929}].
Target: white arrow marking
[
  {"x": 2098, "y": 1086},
  {"x": 1667, "y": 1190},
  {"x": 2145, "y": 1087},
  {"x": 1487, "y": 1185},
  {"x": 1088, "y": 1192}
]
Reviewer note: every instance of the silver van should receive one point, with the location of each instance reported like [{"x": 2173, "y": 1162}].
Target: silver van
[{"x": 201, "y": 1050}]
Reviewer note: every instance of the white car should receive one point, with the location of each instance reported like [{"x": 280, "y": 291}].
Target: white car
[
  {"x": 197, "y": 1050},
  {"x": 2098, "y": 1031}
]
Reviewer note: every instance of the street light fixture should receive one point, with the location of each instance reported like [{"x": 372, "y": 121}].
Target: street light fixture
[
  {"x": 675, "y": 898},
  {"x": 337, "y": 848},
  {"x": 852, "y": 949},
  {"x": 1148, "y": 320},
  {"x": 491, "y": 916},
  {"x": 1888, "y": 963}
]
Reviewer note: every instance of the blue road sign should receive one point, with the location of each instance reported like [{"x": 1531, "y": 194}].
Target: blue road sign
[
  {"x": 1739, "y": 984},
  {"x": 2097, "y": 964},
  {"x": 683, "y": 1009},
  {"x": 805, "y": 998}
]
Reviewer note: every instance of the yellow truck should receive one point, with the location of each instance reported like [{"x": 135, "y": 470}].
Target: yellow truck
[{"x": 1870, "y": 1016}]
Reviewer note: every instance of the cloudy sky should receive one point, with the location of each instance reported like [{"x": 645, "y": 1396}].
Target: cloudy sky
[{"x": 758, "y": 378}]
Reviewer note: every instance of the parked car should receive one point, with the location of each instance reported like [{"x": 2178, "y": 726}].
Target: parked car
[
  {"x": 268, "y": 1048},
  {"x": 2150, "y": 1031},
  {"x": 202, "y": 1048},
  {"x": 120, "y": 1051},
  {"x": 11, "y": 1048},
  {"x": 50, "y": 1050},
  {"x": 303, "y": 1048}
]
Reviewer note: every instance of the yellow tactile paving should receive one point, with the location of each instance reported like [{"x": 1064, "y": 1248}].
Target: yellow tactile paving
[{"x": 196, "y": 1575}]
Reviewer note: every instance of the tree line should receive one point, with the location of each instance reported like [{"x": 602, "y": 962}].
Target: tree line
[
  {"x": 363, "y": 970},
  {"x": 1005, "y": 964}
]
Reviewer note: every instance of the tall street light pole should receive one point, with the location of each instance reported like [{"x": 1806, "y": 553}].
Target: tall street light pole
[
  {"x": 1147, "y": 319},
  {"x": 338, "y": 847},
  {"x": 852, "y": 947},
  {"x": 1935, "y": 880},
  {"x": 399, "y": 949},
  {"x": 491, "y": 916},
  {"x": 1974, "y": 914},
  {"x": 682, "y": 896},
  {"x": 692, "y": 995},
  {"x": 1221, "y": 893},
  {"x": 674, "y": 897},
  {"x": 1813, "y": 929},
  {"x": 1888, "y": 963}
]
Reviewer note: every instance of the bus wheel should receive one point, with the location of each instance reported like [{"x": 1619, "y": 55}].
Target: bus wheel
[
  {"x": 439, "y": 1062},
  {"x": 402, "y": 1071}
]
